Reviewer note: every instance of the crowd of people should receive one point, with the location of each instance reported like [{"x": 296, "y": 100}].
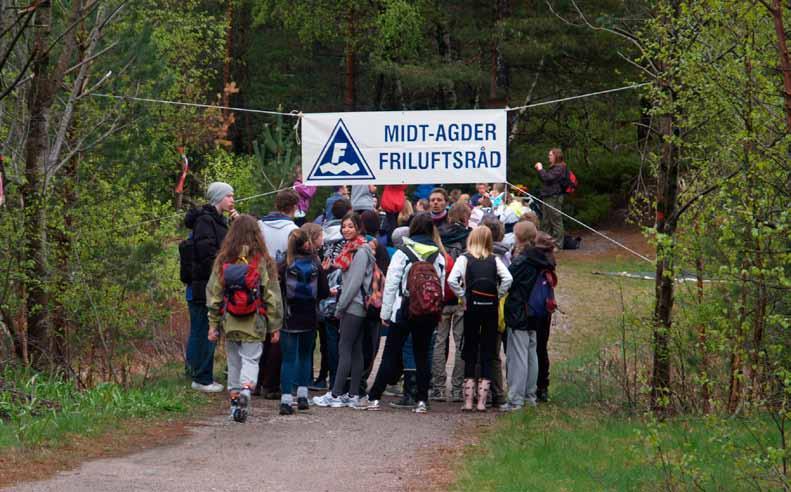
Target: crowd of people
[{"x": 425, "y": 271}]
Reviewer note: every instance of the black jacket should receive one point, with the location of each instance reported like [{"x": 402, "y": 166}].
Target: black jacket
[
  {"x": 454, "y": 239},
  {"x": 525, "y": 269},
  {"x": 209, "y": 228},
  {"x": 552, "y": 180}
]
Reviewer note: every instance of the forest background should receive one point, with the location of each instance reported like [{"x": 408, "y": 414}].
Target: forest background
[{"x": 699, "y": 158}]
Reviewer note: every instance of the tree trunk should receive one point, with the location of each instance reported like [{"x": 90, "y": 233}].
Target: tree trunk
[
  {"x": 40, "y": 101},
  {"x": 666, "y": 204},
  {"x": 785, "y": 59},
  {"x": 702, "y": 343}
]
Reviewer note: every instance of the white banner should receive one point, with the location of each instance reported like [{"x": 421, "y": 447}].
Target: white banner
[{"x": 407, "y": 147}]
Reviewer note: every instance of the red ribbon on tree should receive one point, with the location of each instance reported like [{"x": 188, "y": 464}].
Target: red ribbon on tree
[{"x": 184, "y": 168}]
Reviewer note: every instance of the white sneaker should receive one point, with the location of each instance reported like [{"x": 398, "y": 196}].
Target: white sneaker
[
  {"x": 357, "y": 403},
  {"x": 421, "y": 407},
  {"x": 208, "y": 388},
  {"x": 327, "y": 400},
  {"x": 342, "y": 401},
  {"x": 373, "y": 405}
]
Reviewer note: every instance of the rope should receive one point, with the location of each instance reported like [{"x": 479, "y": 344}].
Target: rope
[
  {"x": 166, "y": 217},
  {"x": 520, "y": 190},
  {"x": 196, "y": 105},
  {"x": 635, "y": 86}
]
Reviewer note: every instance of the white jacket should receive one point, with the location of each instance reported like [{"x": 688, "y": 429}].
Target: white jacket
[
  {"x": 398, "y": 271},
  {"x": 456, "y": 281}
]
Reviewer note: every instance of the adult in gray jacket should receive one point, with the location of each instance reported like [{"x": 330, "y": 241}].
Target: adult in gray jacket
[
  {"x": 356, "y": 262},
  {"x": 363, "y": 198}
]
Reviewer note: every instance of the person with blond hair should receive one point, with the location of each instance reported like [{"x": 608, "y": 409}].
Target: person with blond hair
[{"x": 479, "y": 279}]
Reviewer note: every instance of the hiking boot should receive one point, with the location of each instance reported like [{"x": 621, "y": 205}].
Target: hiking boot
[
  {"x": 286, "y": 409},
  {"x": 302, "y": 403},
  {"x": 421, "y": 407},
  {"x": 208, "y": 388},
  {"x": 405, "y": 402},
  {"x": 437, "y": 395}
]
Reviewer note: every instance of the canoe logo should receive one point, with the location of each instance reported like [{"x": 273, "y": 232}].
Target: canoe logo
[{"x": 340, "y": 158}]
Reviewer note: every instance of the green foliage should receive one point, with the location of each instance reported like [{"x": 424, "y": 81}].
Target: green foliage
[{"x": 41, "y": 410}]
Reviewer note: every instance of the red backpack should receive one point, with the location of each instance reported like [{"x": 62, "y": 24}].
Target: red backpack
[
  {"x": 569, "y": 181},
  {"x": 424, "y": 293},
  {"x": 242, "y": 294}
]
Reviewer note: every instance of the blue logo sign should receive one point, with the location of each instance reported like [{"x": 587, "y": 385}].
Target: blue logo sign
[{"x": 340, "y": 158}]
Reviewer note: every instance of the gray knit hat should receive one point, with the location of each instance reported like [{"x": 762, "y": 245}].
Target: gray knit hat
[{"x": 217, "y": 191}]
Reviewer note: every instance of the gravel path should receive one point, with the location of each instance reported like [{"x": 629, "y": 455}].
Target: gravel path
[{"x": 319, "y": 450}]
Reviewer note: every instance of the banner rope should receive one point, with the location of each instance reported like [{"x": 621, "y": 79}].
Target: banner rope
[
  {"x": 554, "y": 101},
  {"x": 196, "y": 105},
  {"x": 533, "y": 197}
]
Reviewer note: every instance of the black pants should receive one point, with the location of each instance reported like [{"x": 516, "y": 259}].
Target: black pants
[
  {"x": 542, "y": 334},
  {"x": 324, "y": 370},
  {"x": 397, "y": 333},
  {"x": 269, "y": 367},
  {"x": 480, "y": 335}
]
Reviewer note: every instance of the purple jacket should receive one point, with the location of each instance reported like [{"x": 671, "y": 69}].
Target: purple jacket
[{"x": 305, "y": 193}]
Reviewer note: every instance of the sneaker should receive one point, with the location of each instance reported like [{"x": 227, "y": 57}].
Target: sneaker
[
  {"x": 318, "y": 385},
  {"x": 302, "y": 403},
  {"x": 437, "y": 395},
  {"x": 342, "y": 401},
  {"x": 327, "y": 400},
  {"x": 286, "y": 409},
  {"x": 421, "y": 407},
  {"x": 359, "y": 403},
  {"x": 392, "y": 390},
  {"x": 208, "y": 388},
  {"x": 374, "y": 406},
  {"x": 406, "y": 401},
  {"x": 507, "y": 407}
]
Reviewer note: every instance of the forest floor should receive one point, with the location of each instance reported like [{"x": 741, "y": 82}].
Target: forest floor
[{"x": 318, "y": 450}]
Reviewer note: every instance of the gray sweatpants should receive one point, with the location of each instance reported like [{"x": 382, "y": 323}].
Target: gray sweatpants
[
  {"x": 243, "y": 360},
  {"x": 452, "y": 322},
  {"x": 522, "y": 363},
  {"x": 350, "y": 354}
]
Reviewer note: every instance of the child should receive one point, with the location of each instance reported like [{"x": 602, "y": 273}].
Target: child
[
  {"x": 243, "y": 298},
  {"x": 521, "y": 355},
  {"x": 356, "y": 262},
  {"x": 479, "y": 279},
  {"x": 304, "y": 284}
]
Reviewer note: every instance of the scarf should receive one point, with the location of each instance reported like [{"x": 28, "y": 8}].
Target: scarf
[
  {"x": 344, "y": 258},
  {"x": 439, "y": 217}
]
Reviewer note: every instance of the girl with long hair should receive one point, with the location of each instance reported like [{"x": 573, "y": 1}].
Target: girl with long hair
[
  {"x": 479, "y": 279},
  {"x": 243, "y": 275},
  {"x": 304, "y": 284},
  {"x": 356, "y": 262}
]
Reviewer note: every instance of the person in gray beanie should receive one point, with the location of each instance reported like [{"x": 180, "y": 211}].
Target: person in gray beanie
[{"x": 209, "y": 227}]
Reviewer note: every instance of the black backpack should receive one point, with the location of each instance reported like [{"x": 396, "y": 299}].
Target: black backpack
[
  {"x": 481, "y": 281},
  {"x": 186, "y": 258}
]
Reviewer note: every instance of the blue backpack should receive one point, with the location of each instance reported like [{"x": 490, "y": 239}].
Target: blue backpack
[
  {"x": 542, "y": 297},
  {"x": 302, "y": 280}
]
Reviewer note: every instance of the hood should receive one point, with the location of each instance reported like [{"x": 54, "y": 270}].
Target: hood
[
  {"x": 423, "y": 248},
  {"x": 192, "y": 215},
  {"x": 499, "y": 249},
  {"x": 332, "y": 230},
  {"x": 455, "y": 233},
  {"x": 276, "y": 220}
]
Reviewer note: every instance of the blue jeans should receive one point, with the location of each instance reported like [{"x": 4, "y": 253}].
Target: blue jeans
[
  {"x": 333, "y": 337},
  {"x": 200, "y": 351},
  {"x": 297, "y": 349}
]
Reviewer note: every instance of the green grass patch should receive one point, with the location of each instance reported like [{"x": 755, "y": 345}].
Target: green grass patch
[{"x": 40, "y": 410}]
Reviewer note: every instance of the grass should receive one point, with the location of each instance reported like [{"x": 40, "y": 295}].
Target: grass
[
  {"x": 56, "y": 410},
  {"x": 577, "y": 444}
]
